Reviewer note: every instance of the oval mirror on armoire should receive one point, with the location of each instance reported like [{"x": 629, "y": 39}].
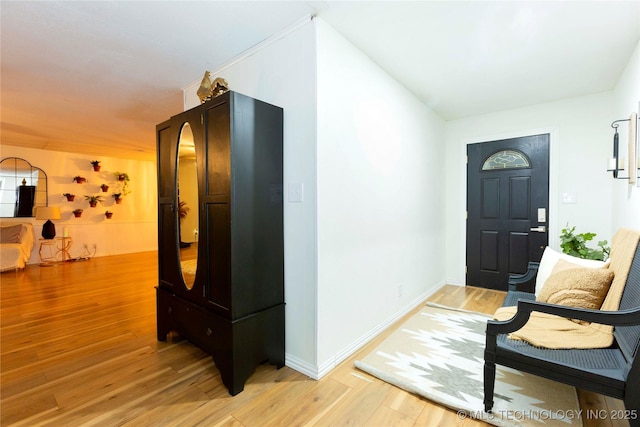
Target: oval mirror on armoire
[{"x": 187, "y": 212}]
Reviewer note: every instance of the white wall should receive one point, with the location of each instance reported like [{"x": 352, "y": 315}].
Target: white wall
[
  {"x": 377, "y": 154},
  {"x": 380, "y": 199},
  {"x": 580, "y": 145},
  {"x": 626, "y": 99},
  {"x": 133, "y": 227},
  {"x": 282, "y": 73}
]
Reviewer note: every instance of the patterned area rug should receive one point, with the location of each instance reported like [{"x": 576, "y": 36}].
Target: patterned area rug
[{"x": 438, "y": 354}]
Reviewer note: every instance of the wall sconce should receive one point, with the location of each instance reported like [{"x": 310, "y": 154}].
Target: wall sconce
[
  {"x": 633, "y": 148},
  {"x": 617, "y": 163}
]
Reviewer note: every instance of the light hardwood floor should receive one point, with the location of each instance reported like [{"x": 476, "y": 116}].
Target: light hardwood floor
[{"x": 78, "y": 347}]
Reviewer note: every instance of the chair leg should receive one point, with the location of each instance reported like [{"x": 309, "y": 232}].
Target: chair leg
[{"x": 489, "y": 384}]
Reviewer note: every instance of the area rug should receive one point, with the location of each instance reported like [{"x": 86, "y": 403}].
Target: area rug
[{"x": 439, "y": 354}]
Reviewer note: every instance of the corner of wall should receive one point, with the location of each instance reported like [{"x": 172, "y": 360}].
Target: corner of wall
[{"x": 378, "y": 242}]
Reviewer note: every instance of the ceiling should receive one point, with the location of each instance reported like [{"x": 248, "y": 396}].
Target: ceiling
[{"x": 96, "y": 77}]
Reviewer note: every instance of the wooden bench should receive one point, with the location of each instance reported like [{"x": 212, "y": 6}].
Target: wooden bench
[{"x": 613, "y": 371}]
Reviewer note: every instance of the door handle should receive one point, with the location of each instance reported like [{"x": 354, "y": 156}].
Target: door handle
[{"x": 539, "y": 229}]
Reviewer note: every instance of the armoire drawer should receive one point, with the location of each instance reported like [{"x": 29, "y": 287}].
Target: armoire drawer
[{"x": 201, "y": 327}]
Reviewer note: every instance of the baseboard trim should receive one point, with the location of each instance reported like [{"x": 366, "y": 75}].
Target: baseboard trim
[
  {"x": 348, "y": 351},
  {"x": 301, "y": 366}
]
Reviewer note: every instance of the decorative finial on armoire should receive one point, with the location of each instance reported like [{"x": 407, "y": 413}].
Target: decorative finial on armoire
[
  {"x": 209, "y": 89},
  {"x": 219, "y": 86},
  {"x": 204, "y": 91}
]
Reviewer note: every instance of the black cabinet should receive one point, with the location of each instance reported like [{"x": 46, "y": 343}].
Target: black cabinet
[
  {"x": 225, "y": 291},
  {"x": 25, "y": 197}
]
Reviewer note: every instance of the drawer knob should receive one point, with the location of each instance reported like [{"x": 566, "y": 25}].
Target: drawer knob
[{"x": 209, "y": 332}]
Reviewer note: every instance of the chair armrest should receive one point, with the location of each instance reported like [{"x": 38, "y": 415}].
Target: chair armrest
[
  {"x": 615, "y": 318},
  {"x": 519, "y": 282}
]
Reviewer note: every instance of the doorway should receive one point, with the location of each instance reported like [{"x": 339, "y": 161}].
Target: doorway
[{"x": 507, "y": 208}]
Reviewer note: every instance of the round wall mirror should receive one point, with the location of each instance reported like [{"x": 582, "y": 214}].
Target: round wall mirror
[
  {"x": 23, "y": 187},
  {"x": 187, "y": 195}
]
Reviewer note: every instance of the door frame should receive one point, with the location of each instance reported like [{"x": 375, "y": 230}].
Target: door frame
[{"x": 552, "y": 215}]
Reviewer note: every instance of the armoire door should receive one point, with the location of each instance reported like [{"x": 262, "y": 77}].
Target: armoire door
[
  {"x": 244, "y": 205},
  {"x": 171, "y": 137},
  {"x": 217, "y": 202},
  {"x": 167, "y": 256}
]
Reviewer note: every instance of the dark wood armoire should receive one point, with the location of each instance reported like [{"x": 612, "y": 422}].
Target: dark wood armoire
[{"x": 224, "y": 289}]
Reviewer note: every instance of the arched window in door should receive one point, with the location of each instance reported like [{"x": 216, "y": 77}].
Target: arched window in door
[{"x": 506, "y": 159}]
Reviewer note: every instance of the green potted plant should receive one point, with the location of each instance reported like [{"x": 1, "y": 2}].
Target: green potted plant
[
  {"x": 79, "y": 179},
  {"x": 77, "y": 213},
  {"x": 93, "y": 200},
  {"x": 104, "y": 188},
  {"x": 121, "y": 176},
  {"x": 124, "y": 178},
  {"x": 69, "y": 196},
  {"x": 108, "y": 214},
  {"x": 117, "y": 197},
  {"x": 575, "y": 245},
  {"x": 96, "y": 165}
]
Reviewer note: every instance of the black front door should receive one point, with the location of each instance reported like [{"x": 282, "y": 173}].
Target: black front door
[{"x": 507, "y": 208}]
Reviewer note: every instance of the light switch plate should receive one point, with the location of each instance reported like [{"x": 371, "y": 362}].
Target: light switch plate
[
  {"x": 569, "y": 198},
  {"x": 295, "y": 193}
]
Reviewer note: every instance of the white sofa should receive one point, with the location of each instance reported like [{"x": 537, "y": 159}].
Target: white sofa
[{"x": 16, "y": 243}]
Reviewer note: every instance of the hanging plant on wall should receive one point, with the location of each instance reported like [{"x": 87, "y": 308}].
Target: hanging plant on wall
[
  {"x": 69, "y": 196},
  {"x": 93, "y": 200},
  {"x": 79, "y": 179},
  {"x": 96, "y": 165},
  {"x": 123, "y": 177},
  {"x": 117, "y": 197},
  {"x": 77, "y": 213}
]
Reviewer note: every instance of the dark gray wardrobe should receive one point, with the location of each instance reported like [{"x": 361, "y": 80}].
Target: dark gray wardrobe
[{"x": 221, "y": 284}]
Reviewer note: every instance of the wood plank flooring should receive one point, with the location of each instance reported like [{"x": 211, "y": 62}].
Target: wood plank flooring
[{"x": 78, "y": 347}]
